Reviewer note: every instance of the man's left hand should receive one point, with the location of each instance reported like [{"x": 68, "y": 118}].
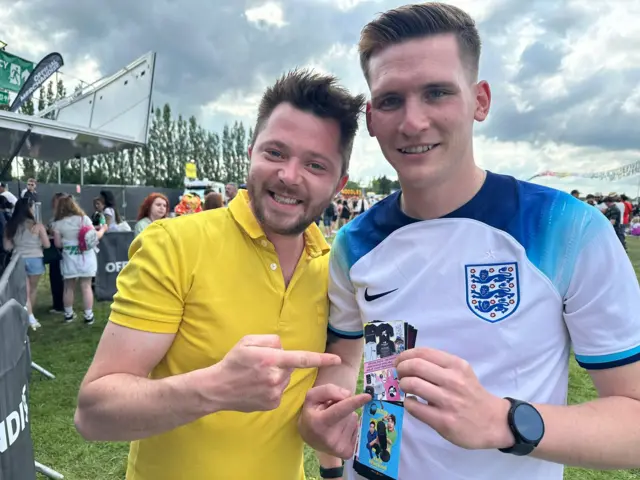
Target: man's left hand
[{"x": 459, "y": 408}]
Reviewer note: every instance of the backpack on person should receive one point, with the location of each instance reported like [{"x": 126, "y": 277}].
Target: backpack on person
[{"x": 87, "y": 237}]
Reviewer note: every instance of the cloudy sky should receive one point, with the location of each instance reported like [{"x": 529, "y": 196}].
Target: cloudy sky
[{"x": 565, "y": 74}]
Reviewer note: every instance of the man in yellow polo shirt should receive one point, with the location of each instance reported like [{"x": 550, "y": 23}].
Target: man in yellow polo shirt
[{"x": 220, "y": 319}]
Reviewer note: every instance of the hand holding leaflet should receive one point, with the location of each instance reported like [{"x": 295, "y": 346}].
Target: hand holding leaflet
[{"x": 378, "y": 447}]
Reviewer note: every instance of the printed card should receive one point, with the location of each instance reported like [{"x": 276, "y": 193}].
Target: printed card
[
  {"x": 379, "y": 437},
  {"x": 380, "y": 440}
]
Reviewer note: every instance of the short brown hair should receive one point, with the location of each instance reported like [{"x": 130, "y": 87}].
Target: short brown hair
[
  {"x": 212, "y": 200},
  {"x": 317, "y": 94},
  {"x": 421, "y": 20}
]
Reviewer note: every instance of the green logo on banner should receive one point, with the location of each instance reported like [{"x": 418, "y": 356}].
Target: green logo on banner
[
  {"x": 4, "y": 98},
  {"x": 14, "y": 71}
]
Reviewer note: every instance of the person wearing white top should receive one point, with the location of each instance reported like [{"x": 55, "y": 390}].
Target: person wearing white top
[
  {"x": 77, "y": 265},
  {"x": 502, "y": 279}
]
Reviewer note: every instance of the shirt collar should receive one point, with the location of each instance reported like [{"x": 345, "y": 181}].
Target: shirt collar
[{"x": 315, "y": 243}]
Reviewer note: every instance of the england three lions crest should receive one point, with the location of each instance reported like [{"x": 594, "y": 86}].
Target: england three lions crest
[{"x": 493, "y": 291}]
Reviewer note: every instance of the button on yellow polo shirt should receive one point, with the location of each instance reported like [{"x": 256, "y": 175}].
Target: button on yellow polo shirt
[{"x": 212, "y": 278}]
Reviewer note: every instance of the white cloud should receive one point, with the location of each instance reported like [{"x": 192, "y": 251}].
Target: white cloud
[{"x": 269, "y": 13}]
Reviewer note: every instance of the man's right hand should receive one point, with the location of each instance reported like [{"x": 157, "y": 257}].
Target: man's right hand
[
  {"x": 329, "y": 422},
  {"x": 255, "y": 372}
]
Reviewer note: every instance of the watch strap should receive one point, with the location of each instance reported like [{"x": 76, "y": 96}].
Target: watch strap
[
  {"x": 334, "y": 472},
  {"x": 521, "y": 447}
]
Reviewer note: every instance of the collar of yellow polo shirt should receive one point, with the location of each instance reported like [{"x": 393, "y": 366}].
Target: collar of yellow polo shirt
[
  {"x": 240, "y": 208},
  {"x": 209, "y": 279}
]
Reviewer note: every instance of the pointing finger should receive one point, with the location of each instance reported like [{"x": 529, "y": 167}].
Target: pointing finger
[
  {"x": 342, "y": 409},
  {"x": 328, "y": 393},
  {"x": 301, "y": 359},
  {"x": 272, "y": 341}
]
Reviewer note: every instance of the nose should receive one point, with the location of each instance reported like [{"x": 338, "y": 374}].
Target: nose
[
  {"x": 289, "y": 172},
  {"x": 416, "y": 119}
]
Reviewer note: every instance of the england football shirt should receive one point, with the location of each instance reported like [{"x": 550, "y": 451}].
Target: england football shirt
[{"x": 510, "y": 282}]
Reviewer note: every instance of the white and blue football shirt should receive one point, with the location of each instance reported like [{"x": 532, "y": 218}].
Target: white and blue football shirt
[{"x": 509, "y": 282}]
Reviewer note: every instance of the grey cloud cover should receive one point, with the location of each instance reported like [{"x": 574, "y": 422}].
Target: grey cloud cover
[
  {"x": 208, "y": 48},
  {"x": 204, "y": 48}
]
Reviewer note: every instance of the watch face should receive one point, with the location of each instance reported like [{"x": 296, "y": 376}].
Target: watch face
[{"x": 528, "y": 422}]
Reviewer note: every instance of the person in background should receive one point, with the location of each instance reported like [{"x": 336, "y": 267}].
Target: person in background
[
  {"x": 98, "y": 213},
  {"x": 5, "y": 213},
  {"x": 6, "y": 207},
  {"x": 345, "y": 212},
  {"x": 24, "y": 236},
  {"x": 615, "y": 217},
  {"x": 328, "y": 218},
  {"x": 4, "y": 191},
  {"x": 212, "y": 201},
  {"x": 575, "y": 194},
  {"x": 154, "y": 207},
  {"x": 53, "y": 256},
  {"x": 231, "y": 190},
  {"x": 110, "y": 212},
  {"x": 628, "y": 211},
  {"x": 30, "y": 192},
  {"x": 76, "y": 265}
]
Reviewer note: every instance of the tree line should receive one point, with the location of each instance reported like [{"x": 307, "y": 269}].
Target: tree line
[{"x": 161, "y": 163}]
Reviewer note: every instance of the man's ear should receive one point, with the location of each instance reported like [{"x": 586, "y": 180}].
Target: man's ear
[
  {"x": 483, "y": 101},
  {"x": 368, "y": 117},
  {"x": 249, "y": 150},
  {"x": 343, "y": 181}
]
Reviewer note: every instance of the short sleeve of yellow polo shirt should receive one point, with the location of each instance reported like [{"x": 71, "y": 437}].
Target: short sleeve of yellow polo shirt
[{"x": 151, "y": 287}]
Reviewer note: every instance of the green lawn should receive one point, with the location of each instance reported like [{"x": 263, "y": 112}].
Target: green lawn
[{"x": 67, "y": 350}]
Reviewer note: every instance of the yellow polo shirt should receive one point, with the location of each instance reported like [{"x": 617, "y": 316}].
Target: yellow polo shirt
[{"x": 212, "y": 278}]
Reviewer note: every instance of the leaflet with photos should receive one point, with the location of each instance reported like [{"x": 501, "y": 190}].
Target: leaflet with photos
[{"x": 380, "y": 434}]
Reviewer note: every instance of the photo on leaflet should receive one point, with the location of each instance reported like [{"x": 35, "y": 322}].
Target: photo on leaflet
[
  {"x": 383, "y": 341},
  {"x": 378, "y": 450},
  {"x": 383, "y": 385}
]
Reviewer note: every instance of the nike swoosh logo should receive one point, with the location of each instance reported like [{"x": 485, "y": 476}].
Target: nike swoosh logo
[{"x": 371, "y": 298}]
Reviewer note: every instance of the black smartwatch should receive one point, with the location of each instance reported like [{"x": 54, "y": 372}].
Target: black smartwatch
[
  {"x": 527, "y": 426},
  {"x": 335, "y": 472}
]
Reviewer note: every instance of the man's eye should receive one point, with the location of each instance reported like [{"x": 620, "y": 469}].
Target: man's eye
[
  {"x": 274, "y": 153},
  {"x": 317, "y": 166},
  {"x": 435, "y": 94},
  {"x": 389, "y": 102}
]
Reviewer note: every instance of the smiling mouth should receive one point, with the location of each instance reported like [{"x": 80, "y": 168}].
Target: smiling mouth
[
  {"x": 284, "y": 200},
  {"x": 418, "y": 149}
]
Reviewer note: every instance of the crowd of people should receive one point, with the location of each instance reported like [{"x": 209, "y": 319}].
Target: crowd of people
[
  {"x": 63, "y": 243},
  {"x": 340, "y": 211},
  {"x": 623, "y": 215}
]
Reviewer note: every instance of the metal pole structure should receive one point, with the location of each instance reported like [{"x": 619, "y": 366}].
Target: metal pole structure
[
  {"x": 46, "y": 471},
  {"x": 59, "y": 172},
  {"x": 81, "y": 171},
  {"x": 44, "y": 372}
]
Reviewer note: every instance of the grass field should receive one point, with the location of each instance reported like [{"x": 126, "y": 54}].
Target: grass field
[{"x": 67, "y": 350}]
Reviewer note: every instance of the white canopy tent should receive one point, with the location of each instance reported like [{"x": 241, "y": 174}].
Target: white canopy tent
[{"x": 110, "y": 115}]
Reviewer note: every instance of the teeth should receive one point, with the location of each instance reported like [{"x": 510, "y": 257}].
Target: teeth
[
  {"x": 285, "y": 200},
  {"x": 419, "y": 149}
]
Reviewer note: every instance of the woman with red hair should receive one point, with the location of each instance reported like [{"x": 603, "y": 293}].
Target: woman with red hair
[{"x": 154, "y": 207}]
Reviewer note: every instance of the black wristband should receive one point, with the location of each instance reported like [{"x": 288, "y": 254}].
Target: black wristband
[{"x": 334, "y": 472}]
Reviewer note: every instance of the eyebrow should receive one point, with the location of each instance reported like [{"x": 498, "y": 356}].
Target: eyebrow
[
  {"x": 283, "y": 146},
  {"x": 427, "y": 86}
]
